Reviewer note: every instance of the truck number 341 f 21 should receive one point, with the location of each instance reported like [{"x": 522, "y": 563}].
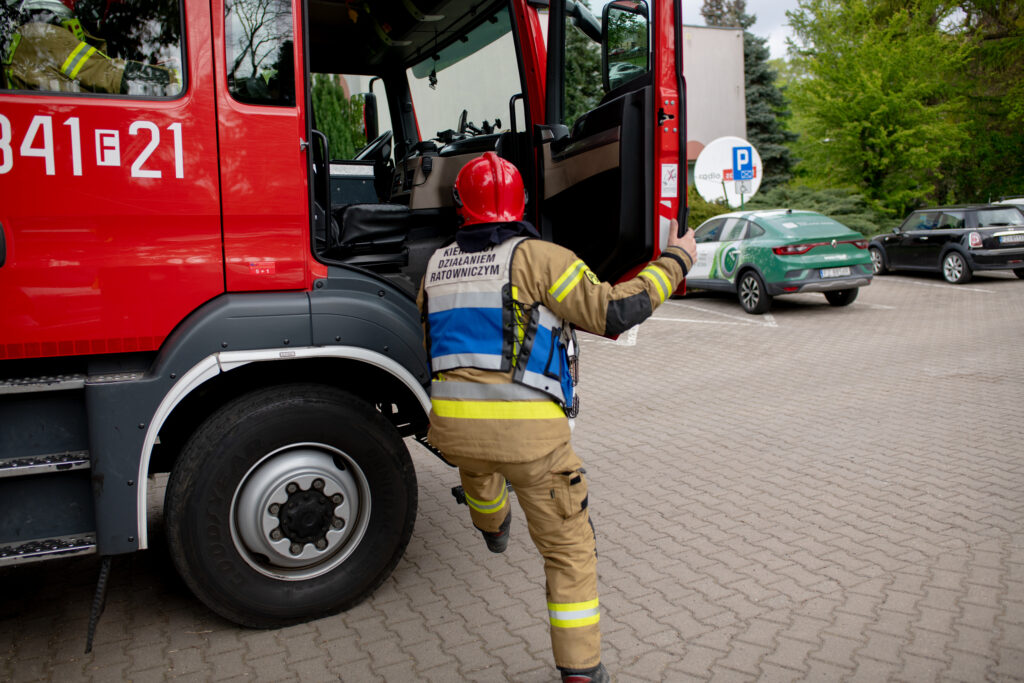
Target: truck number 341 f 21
[{"x": 38, "y": 141}]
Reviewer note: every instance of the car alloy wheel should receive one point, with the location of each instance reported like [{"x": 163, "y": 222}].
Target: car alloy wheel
[
  {"x": 877, "y": 261},
  {"x": 955, "y": 269},
  {"x": 752, "y": 295}
]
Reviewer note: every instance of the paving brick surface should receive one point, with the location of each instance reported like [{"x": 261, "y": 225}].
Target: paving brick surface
[{"x": 816, "y": 494}]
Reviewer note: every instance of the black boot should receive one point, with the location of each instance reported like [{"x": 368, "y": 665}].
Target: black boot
[
  {"x": 597, "y": 674},
  {"x": 497, "y": 541}
]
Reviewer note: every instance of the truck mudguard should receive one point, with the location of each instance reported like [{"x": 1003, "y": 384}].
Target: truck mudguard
[{"x": 349, "y": 314}]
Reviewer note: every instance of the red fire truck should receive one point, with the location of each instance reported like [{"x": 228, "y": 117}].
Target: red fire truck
[{"x": 192, "y": 283}]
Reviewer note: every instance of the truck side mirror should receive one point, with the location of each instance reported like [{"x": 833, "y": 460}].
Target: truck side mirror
[
  {"x": 370, "y": 117},
  {"x": 625, "y": 42}
]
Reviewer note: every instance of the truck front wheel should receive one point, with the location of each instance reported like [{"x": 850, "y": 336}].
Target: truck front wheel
[{"x": 288, "y": 504}]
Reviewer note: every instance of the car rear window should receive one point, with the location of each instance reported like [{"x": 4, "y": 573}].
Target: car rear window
[
  {"x": 796, "y": 222},
  {"x": 996, "y": 217}
]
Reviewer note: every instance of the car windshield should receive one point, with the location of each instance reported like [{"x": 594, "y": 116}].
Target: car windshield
[{"x": 988, "y": 218}]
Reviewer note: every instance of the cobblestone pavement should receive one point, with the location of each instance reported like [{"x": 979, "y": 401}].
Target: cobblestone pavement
[{"x": 816, "y": 494}]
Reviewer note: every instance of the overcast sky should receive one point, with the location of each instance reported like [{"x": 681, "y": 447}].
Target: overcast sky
[{"x": 771, "y": 20}]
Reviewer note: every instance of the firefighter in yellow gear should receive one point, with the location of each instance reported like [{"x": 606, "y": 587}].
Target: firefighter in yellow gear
[
  {"x": 51, "y": 51},
  {"x": 499, "y": 309}
]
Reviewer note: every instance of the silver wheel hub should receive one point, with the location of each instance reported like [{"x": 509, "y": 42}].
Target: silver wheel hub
[
  {"x": 749, "y": 292},
  {"x": 876, "y": 260},
  {"x": 300, "y": 511},
  {"x": 954, "y": 267}
]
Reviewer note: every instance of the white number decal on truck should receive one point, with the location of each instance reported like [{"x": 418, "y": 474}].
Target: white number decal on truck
[
  {"x": 6, "y": 153},
  {"x": 38, "y": 141}
]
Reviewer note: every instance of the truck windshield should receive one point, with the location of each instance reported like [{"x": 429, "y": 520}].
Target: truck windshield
[{"x": 478, "y": 73}]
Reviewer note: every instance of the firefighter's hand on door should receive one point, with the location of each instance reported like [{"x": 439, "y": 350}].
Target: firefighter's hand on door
[{"x": 686, "y": 242}]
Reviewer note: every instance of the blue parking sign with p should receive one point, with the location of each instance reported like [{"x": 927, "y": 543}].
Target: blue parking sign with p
[{"x": 742, "y": 163}]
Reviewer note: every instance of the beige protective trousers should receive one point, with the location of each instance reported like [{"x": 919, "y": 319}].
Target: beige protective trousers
[{"x": 552, "y": 491}]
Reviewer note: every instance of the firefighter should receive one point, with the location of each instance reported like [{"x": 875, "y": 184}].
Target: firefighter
[
  {"x": 50, "y": 50},
  {"x": 499, "y": 309}
]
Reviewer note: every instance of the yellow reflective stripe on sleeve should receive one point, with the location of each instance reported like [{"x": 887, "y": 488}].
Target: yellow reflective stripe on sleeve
[
  {"x": 574, "y": 614},
  {"x": 77, "y": 59},
  {"x": 489, "y": 507},
  {"x": 567, "y": 280},
  {"x": 498, "y": 410},
  {"x": 660, "y": 279}
]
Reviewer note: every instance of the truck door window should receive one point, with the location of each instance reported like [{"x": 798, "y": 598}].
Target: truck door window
[
  {"x": 113, "y": 48},
  {"x": 338, "y": 101},
  {"x": 260, "y": 51}
]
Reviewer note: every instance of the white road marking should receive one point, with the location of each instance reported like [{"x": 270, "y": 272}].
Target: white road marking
[
  {"x": 960, "y": 288},
  {"x": 867, "y": 305},
  {"x": 627, "y": 338},
  {"x": 766, "y": 320}
]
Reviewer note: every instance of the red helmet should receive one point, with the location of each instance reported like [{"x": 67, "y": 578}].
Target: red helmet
[{"x": 489, "y": 190}]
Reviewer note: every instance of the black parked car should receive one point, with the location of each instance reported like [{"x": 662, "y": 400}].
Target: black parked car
[{"x": 956, "y": 241}]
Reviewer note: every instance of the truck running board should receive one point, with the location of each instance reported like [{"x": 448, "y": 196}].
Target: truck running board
[
  {"x": 47, "y": 549},
  {"x": 40, "y": 464}
]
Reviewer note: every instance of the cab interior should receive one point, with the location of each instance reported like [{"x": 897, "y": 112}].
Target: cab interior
[{"x": 387, "y": 206}]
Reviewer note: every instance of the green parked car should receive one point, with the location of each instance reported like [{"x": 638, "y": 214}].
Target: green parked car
[{"x": 762, "y": 254}]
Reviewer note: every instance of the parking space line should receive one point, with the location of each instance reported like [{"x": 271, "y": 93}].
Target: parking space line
[
  {"x": 881, "y": 306},
  {"x": 960, "y": 288},
  {"x": 766, "y": 320}
]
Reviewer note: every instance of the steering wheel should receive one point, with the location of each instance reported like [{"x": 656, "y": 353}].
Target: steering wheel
[{"x": 372, "y": 150}]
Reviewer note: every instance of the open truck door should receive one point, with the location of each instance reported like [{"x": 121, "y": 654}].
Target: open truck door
[{"x": 612, "y": 182}]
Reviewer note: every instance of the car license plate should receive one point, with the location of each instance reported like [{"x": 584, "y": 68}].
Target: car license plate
[
  {"x": 834, "y": 272},
  {"x": 1011, "y": 239}
]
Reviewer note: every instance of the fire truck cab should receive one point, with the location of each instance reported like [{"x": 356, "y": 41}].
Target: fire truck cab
[{"x": 196, "y": 280}]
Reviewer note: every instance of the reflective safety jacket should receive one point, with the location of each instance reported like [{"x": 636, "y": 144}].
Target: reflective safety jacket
[
  {"x": 474, "y": 320},
  {"x": 484, "y": 412}
]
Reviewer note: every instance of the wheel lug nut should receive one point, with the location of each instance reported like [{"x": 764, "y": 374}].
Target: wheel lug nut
[
  {"x": 292, "y": 488},
  {"x": 338, "y": 523},
  {"x": 318, "y": 484},
  {"x": 321, "y": 543},
  {"x": 296, "y": 548},
  {"x": 274, "y": 509},
  {"x": 276, "y": 534},
  {"x": 337, "y": 498}
]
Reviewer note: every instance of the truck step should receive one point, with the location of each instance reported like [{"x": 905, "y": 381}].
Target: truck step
[
  {"x": 47, "y": 549},
  {"x": 40, "y": 464},
  {"x": 31, "y": 385}
]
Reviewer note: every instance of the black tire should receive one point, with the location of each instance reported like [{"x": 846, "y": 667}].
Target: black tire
[
  {"x": 955, "y": 269},
  {"x": 751, "y": 292},
  {"x": 234, "y": 481},
  {"x": 842, "y": 297},
  {"x": 877, "y": 261},
  {"x": 1019, "y": 272}
]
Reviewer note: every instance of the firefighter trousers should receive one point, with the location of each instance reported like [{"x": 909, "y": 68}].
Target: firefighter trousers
[{"x": 552, "y": 491}]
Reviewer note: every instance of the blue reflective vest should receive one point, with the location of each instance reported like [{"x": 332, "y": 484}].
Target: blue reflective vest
[{"x": 473, "y": 321}]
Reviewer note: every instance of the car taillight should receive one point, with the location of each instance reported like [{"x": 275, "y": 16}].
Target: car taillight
[
  {"x": 860, "y": 244},
  {"x": 793, "y": 249},
  {"x": 974, "y": 239}
]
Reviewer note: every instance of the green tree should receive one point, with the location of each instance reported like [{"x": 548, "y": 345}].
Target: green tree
[
  {"x": 994, "y": 82},
  {"x": 766, "y": 105},
  {"x": 879, "y": 99},
  {"x": 338, "y": 116}
]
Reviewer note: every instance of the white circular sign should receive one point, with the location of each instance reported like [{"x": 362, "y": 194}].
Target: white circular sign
[{"x": 728, "y": 167}]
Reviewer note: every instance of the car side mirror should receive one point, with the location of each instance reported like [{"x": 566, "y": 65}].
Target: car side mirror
[{"x": 897, "y": 230}]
